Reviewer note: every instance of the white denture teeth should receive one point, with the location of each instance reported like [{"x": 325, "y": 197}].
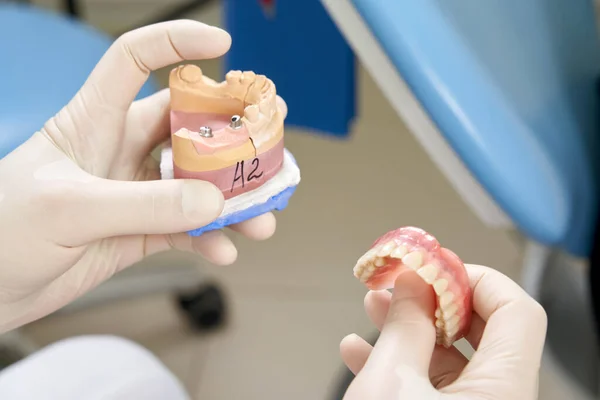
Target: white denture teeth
[
  {"x": 428, "y": 273},
  {"x": 445, "y": 299},
  {"x": 451, "y": 332},
  {"x": 447, "y": 319},
  {"x": 385, "y": 250},
  {"x": 452, "y": 322},
  {"x": 399, "y": 252},
  {"x": 440, "y": 286},
  {"x": 450, "y": 311},
  {"x": 413, "y": 260}
]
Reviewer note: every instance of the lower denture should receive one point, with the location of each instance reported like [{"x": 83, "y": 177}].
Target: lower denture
[{"x": 413, "y": 248}]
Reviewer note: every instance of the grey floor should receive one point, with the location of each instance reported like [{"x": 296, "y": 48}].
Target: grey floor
[{"x": 294, "y": 297}]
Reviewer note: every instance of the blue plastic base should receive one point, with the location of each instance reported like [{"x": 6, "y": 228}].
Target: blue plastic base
[{"x": 277, "y": 202}]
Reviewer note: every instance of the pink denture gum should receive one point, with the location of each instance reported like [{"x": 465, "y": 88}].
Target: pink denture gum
[{"x": 413, "y": 248}]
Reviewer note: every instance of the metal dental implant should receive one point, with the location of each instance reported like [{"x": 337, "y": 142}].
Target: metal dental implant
[
  {"x": 206, "y": 132},
  {"x": 236, "y": 122}
]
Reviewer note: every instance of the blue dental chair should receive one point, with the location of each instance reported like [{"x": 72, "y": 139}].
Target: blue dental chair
[
  {"x": 44, "y": 59},
  {"x": 503, "y": 95}
]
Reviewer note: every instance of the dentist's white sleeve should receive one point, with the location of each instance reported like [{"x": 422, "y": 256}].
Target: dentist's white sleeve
[{"x": 90, "y": 368}]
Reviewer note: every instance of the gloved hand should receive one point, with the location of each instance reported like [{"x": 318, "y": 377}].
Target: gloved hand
[
  {"x": 82, "y": 199},
  {"x": 508, "y": 333}
]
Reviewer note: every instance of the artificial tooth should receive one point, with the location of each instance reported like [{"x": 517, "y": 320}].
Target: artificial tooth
[
  {"x": 440, "y": 286},
  {"x": 385, "y": 250},
  {"x": 372, "y": 252},
  {"x": 439, "y": 323},
  {"x": 233, "y": 76},
  {"x": 251, "y": 113},
  {"x": 379, "y": 262},
  {"x": 438, "y": 313},
  {"x": 399, "y": 252},
  {"x": 247, "y": 77},
  {"x": 265, "y": 107},
  {"x": 252, "y": 97},
  {"x": 255, "y": 91},
  {"x": 452, "y": 322},
  {"x": 272, "y": 101},
  {"x": 361, "y": 263},
  {"x": 259, "y": 82},
  {"x": 362, "y": 260},
  {"x": 413, "y": 260},
  {"x": 428, "y": 273},
  {"x": 450, "y": 333},
  {"x": 445, "y": 299},
  {"x": 191, "y": 73},
  {"x": 371, "y": 268},
  {"x": 450, "y": 311}
]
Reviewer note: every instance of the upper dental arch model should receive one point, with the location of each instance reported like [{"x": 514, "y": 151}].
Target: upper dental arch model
[
  {"x": 230, "y": 134},
  {"x": 413, "y": 248}
]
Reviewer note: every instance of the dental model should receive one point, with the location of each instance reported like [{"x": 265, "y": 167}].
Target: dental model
[
  {"x": 414, "y": 248},
  {"x": 230, "y": 134}
]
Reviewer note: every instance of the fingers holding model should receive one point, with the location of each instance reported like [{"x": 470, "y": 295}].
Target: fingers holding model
[{"x": 83, "y": 198}]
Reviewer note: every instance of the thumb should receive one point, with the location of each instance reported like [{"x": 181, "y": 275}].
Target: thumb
[
  {"x": 407, "y": 339},
  {"x": 107, "y": 208}
]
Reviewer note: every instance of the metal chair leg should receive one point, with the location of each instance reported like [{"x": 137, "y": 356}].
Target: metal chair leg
[{"x": 72, "y": 8}]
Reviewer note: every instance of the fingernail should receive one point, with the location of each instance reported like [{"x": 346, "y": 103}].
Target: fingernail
[
  {"x": 409, "y": 285},
  {"x": 201, "y": 201},
  {"x": 216, "y": 28},
  {"x": 224, "y": 35},
  {"x": 352, "y": 337}
]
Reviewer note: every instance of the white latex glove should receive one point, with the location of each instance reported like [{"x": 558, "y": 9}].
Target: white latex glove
[
  {"x": 82, "y": 199},
  {"x": 508, "y": 334}
]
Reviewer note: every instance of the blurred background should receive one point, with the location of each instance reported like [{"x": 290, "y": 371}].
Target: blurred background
[{"x": 291, "y": 299}]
